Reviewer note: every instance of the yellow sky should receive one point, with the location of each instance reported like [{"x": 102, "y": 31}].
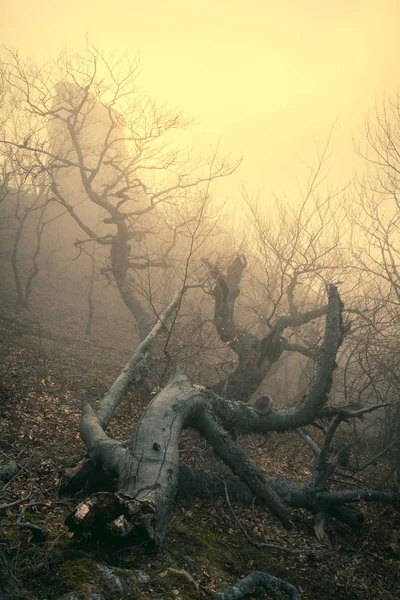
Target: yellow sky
[{"x": 267, "y": 77}]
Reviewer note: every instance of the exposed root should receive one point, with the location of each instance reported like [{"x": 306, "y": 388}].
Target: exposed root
[{"x": 246, "y": 586}]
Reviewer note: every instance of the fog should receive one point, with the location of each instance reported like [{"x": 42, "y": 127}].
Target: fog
[
  {"x": 266, "y": 79},
  {"x": 200, "y": 254},
  {"x": 273, "y": 101}
]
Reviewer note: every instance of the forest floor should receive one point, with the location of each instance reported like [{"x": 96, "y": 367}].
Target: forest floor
[{"x": 45, "y": 375}]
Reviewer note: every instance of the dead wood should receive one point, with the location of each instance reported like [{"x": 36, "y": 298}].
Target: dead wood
[
  {"x": 146, "y": 467},
  {"x": 246, "y": 586}
]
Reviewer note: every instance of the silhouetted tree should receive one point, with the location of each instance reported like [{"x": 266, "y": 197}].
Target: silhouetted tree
[{"x": 103, "y": 151}]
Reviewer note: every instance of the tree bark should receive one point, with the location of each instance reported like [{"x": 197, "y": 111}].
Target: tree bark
[
  {"x": 120, "y": 253},
  {"x": 255, "y": 356},
  {"x": 198, "y": 484},
  {"x": 147, "y": 468},
  {"x": 246, "y": 586}
]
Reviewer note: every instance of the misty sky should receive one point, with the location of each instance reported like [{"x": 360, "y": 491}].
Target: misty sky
[{"x": 268, "y": 78}]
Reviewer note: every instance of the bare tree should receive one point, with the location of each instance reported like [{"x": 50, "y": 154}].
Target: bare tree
[
  {"x": 273, "y": 308},
  {"x": 105, "y": 152},
  {"x": 376, "y": 257}
]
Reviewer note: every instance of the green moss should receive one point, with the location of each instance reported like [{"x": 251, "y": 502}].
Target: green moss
[
  {"x": 207, "y": 539},
  {"x": 77, "y": 574},
  {"x": 182, "y": 596},
  {"x": 36, "y": 460},
  {"x": 33, "y": 516},
  {"x": 176, "y": 555},
  {"x": 10, "y": 536},
  {"x": 206, "y": 546}
]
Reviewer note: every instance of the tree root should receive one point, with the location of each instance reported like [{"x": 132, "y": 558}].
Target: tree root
[
  {"x": 246, "y": 586},
  {"x": 86, "y": 478}
]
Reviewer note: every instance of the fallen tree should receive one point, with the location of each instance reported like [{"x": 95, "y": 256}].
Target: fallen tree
[{"x": 146, "y": 467}]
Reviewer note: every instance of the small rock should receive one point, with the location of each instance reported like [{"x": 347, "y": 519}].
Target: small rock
[
  {"x": 8, "y": 471},
  {"x": 143, "y": 576},
  {"x": 110, "y": 580}
]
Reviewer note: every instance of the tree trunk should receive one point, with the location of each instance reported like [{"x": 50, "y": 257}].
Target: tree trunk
[
  {"x": 147, "y": 466},
  {"x": 120, "y": 253}
]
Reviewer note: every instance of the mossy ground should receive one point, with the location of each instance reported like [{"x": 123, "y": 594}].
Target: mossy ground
[{"x": 77, "y": 574}]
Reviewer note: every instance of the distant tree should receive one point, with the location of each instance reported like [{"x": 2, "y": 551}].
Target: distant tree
[
  {"x": 278, "y": 288},
  {"x": 104, "y": 152},
  {"x": 25, "y": 215},
  {"x": 376, "y": 257}
]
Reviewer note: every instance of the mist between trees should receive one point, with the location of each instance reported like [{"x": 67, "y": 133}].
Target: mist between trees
[{"x": 297, "y": 300}]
